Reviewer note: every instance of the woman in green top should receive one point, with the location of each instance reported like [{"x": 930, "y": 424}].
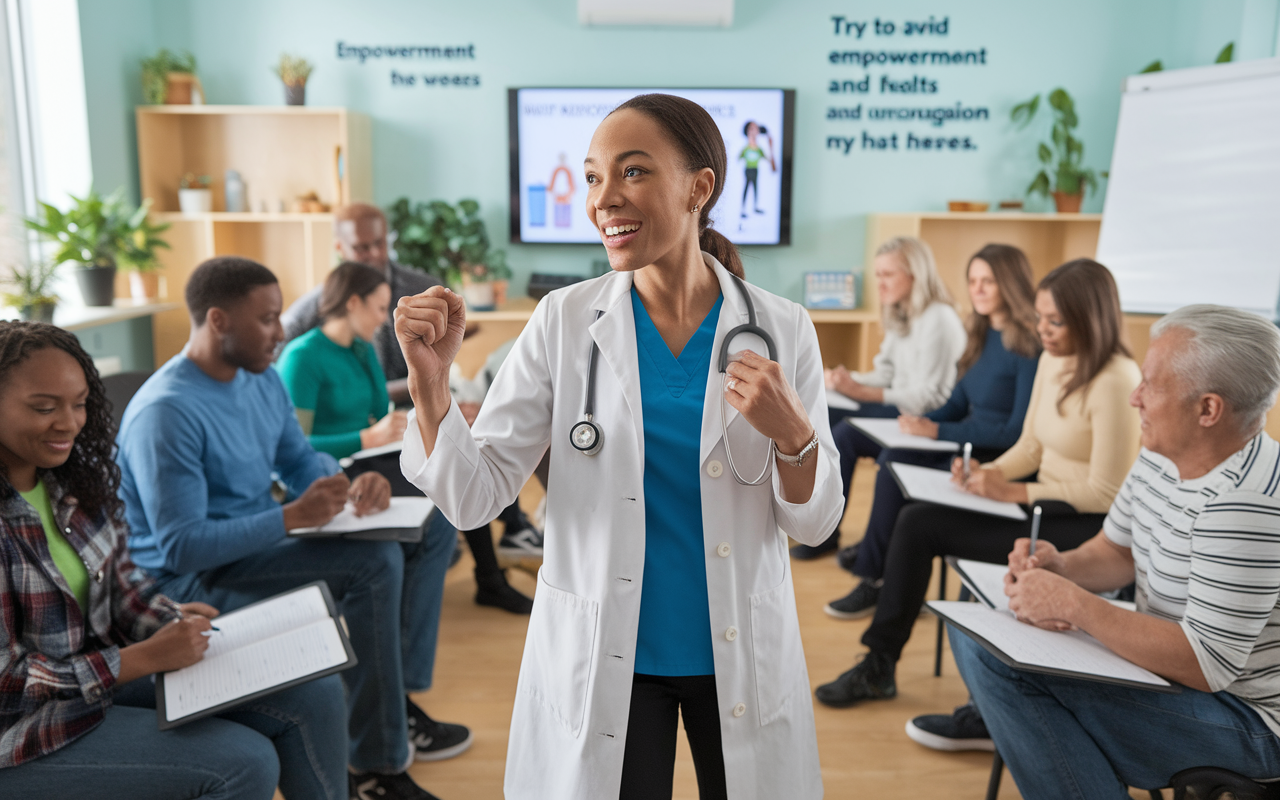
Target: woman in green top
[{"x": 332, "y": 372}]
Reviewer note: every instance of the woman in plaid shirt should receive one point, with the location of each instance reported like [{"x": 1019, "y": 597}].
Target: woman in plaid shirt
[{"x": 77, "y": 637}]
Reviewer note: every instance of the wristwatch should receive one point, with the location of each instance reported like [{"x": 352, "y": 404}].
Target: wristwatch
[{"x": 799, "y": 458}]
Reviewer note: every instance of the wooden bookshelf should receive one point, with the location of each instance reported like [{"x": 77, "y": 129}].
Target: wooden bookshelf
[{"x": 281, "y": 153}]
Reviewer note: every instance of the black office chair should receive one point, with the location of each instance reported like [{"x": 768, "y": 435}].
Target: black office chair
[
  {"x": 121, "y": 388},
  {"x": 1196, "y": 783}
]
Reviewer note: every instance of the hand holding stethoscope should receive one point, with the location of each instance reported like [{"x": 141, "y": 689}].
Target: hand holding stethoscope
[{"x": 758, "y": 389}]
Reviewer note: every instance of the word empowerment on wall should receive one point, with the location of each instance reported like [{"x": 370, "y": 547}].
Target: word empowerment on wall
[{"x": 899, "y": 75}]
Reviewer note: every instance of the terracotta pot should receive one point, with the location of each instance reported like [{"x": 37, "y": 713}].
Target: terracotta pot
[
  {"x": 179, "y": 88},
  {"x": 1068, "y": 203},
  {"x": 144, "y": 285},
  {"x": 500, "y": 293}
]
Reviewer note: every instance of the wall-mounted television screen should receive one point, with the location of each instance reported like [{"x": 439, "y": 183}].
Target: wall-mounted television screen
[{"x": 551, "y": 130}]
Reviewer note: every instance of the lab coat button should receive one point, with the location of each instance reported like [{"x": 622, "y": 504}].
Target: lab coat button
[
  {"x": 723, "y": 550},
  {"x": 731, "y": 634},
  {"x": 739, "y": 710},
  {"x": 715, "y": 469}
]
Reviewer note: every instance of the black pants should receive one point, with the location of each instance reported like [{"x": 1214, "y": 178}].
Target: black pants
[
  {"x": 925, "y": 531},
  {"x": 649, "y": 761}
]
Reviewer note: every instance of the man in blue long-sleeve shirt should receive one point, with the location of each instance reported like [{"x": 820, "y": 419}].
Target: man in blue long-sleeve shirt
[{"x": 199, "y": 447}]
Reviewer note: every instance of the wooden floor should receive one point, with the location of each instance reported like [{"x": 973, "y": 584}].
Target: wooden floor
[{"x": 864, "y": 751}]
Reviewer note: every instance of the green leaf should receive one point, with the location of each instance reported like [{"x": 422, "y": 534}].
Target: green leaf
[
  {"x": 469, "y": 207},
  {"x": 1067, "y": 180},
  {"x": 1154, "y": 66},
  {"x": 1040, "y": 185},
  {"x": 1227, "y": 54},
  {"x": 1046, "y": 155},
  {"x": 1023, "y": 112}
]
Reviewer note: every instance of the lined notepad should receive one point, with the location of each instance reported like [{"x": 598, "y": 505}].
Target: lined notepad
[
  {"x": 889, "y": 434},
  {"x": 258, "y": 649},
  {"x": 935, "y": 486}
]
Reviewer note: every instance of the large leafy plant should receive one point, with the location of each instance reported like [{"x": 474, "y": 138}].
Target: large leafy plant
[
  {"x": 99, "y": 231},
  {"x": 445, "y": 240},
  {"x": 1061, "y": 169},
  {"x": 155, "y": 73}
]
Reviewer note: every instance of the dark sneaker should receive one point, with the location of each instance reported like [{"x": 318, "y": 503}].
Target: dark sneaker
[
  {"x": 859, "y": 603},
  {"x": 435, "y": 741},
  {"x": 804, "y": 552},
  {"x": 523, "y": 543},
  {"x": 846, "y": 557},
  {"x": 962, "y": 729},
  {"x": 870, "y": 679},
  {"x": 500, "y": 594},
  {"x": 373, "y": 786}
]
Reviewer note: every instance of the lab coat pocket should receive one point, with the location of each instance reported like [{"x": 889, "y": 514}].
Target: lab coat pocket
[
  {"x": 776, "y": 649},
  {"x": 556, "y": 670}
]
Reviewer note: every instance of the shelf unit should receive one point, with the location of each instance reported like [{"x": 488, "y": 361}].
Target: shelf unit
[{"x": 281, "y": 153}]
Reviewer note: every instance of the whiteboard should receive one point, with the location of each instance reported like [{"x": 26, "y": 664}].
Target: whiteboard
[{"x": 1192, "y": 213}]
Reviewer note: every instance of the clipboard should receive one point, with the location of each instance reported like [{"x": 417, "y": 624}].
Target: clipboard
[
  {"x": 888, "y": 435},
  {"x": 407, "y": 516},
  {"x": 934, "y": 486},
  {"x": 371, "y": 452},
  {"x": 161, "y": 705},
  {"x": 968, "y": 616}
]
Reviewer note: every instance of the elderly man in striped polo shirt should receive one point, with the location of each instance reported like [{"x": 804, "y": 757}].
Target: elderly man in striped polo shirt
[{"x": 1197, "y": 525}]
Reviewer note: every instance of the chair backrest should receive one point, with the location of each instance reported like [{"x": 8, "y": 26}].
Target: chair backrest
[{"x": 121, "y": 388}]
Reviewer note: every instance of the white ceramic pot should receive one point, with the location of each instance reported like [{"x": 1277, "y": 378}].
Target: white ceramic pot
[
  {"x": 195, "y": 201},
  {"x": 478, "y": 296}
]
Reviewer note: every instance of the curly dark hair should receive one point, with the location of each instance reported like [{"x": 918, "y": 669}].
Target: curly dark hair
[{"x": 90, "y": 472}]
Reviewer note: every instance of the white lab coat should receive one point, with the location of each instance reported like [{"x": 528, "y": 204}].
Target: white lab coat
[{"x": 569, "y": 724}]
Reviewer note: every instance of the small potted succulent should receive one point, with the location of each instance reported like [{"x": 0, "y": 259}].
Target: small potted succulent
[
  {"x": 170, "y": 78},
  {"x": 294, "y": 71},
  {"x": 32, "y": 291},
  {"x": 451, "y": 242},
  {"x": 1062, "y": 161},
  {"x": 194, "y": 194},
  {"x": 99, "y": 234}
]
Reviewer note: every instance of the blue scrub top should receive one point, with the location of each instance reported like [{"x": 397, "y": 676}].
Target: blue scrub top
[{"x": 675, "y": 618}]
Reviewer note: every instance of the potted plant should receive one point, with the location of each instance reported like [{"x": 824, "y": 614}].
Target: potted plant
[
  {"x": 294, "y": 71},
  {"x": 170, "y": 78},
  {"x": 32, "y": 293},
  {"x": 99, "y": 234},
  {"x": 1063, "y": 159},
  {"x": 194, "y": 194},
  {"x": 451, "y": 242}
]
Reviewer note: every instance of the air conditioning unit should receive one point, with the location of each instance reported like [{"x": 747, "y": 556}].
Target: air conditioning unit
[{"x": 656, "y": 12}]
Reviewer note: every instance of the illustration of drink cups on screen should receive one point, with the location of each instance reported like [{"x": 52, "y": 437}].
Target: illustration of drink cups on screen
[{"x": 537, "y": 205}]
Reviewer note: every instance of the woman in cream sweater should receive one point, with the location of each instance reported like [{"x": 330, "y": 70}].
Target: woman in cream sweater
[
  {"x": 915, "y": 369},
  {"x": 1079, "y": 439}
]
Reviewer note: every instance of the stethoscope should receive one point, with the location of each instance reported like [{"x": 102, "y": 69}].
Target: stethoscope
[{"x": 587, "y": 437}]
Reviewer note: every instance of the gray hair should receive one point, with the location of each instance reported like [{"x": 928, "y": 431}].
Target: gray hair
[
  {"x": 1230, "y": 353},
  {"x": 927, "y": 287}
]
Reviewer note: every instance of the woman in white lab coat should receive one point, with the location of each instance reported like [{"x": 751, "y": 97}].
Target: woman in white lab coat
[{"x": 665, "y": 583}]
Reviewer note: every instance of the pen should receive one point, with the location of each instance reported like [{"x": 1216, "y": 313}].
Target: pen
[
  {"x": 968, "y": 453},
  {"x": 1035, "y": 529}
]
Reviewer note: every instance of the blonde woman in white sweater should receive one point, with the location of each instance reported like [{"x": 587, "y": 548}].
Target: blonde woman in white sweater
[{"x": 915, "y": 369}]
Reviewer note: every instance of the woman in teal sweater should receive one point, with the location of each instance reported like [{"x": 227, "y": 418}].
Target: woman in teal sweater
[{"x": 332, "y": 372}]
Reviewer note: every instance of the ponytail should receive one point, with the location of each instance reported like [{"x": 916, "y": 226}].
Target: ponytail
[
  {"x": 696, "y": 135},
  {"x": 721, "y": 249}
]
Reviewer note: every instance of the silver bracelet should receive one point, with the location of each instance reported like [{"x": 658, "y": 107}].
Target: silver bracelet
[{"x": 799, "y": 458}]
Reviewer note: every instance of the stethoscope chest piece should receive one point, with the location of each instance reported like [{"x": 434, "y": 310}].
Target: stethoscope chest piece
[{"x": 586, "y": 437}]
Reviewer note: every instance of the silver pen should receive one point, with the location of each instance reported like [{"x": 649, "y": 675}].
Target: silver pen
[
  {"x": 968, "y": 453},
  {"x": 1035, "y": 529}
]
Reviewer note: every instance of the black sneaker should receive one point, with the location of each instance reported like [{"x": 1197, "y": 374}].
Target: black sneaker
[
  {"x": 374, "y": 786},
  {"x": 870, "y": 679},
  {"x": 859, "y": 603},
  {"x": 526, "y": 542},
  {"x": 435, "y": 741},
  {"x": 500, "y": 594},
  {"x": 962, "y": 729},
  {"x": 847, "y": 556},
  {"x": 804, "y": 552}
]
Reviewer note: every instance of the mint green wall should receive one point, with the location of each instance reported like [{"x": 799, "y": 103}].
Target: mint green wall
[
  {"x": 129, "y": 340},
  {"x": 451, "y": 143}
]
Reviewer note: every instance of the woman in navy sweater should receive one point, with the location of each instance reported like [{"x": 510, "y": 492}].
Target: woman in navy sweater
[{"x": 986, "y": 407}]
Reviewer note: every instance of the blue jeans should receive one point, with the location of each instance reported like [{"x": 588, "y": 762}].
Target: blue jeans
[
  {"x": 1070, "y": 738},
  {"x": 390, "y": 594},
  {"x": 293, "y": 738}
]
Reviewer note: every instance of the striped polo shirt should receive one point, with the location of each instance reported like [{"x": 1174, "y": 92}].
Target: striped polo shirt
[{"x": 1207, "y": 556}]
